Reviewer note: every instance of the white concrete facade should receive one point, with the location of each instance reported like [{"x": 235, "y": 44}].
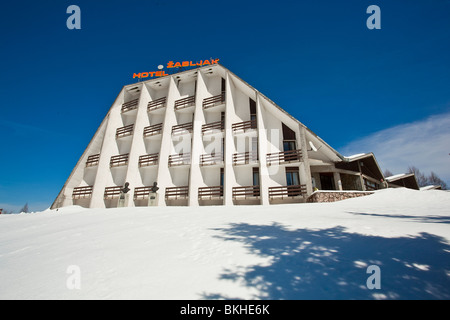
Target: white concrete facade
[{"x": 207, "y": 138}]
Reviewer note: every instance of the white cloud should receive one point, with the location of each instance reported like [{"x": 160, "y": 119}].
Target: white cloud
[{"x": 424, "y": 144}]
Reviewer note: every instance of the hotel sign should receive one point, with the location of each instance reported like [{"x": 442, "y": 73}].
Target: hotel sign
[{"x": 172, "y": 64}]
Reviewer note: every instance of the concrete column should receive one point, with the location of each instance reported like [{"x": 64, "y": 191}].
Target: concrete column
[
  {"x": 264, "y": 178},
  {"x": 229, "y": 177},
  {"x": 195, "y": 178},
  {"x": 137, "y": 144},
  {"x": 337, "y": 181},
  {"x": 304, "y": 167},
  {"x": 109, "y": 148},
  {"x": 164, "y": 178}
]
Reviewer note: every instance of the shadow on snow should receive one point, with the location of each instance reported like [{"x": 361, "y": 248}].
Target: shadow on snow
[{"x": 332, "y": 264}]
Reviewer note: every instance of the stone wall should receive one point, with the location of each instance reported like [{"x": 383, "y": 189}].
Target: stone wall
[{"x": 332, "y": 196}]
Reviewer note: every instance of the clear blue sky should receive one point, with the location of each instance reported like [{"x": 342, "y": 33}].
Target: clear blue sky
[{"x": 316, "y": 59}]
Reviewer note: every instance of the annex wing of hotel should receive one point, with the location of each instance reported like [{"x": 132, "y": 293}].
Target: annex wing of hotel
[{"x": 206, "y": 137}]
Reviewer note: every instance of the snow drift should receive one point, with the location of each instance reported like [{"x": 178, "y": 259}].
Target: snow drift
[{"x": 297, "y": 251}]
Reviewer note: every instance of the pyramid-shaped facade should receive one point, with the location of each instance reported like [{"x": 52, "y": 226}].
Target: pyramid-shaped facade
[{"x": 206, "y": 137}]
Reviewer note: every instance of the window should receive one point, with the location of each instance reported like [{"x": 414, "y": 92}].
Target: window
[
  {"x": 221, "y": 177},
  {"x": 292, "y": 176},
  {"x": 256, "y": 176}
]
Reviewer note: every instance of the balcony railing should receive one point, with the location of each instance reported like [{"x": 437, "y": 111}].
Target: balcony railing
[
  {"x": 179, "y": 159},
  {"x": 130, "y": 105},
  {"x": 141, "y": 193},
  {"x": 112, "y": 192},
  {"x": 211, "y": 159},
  {"x": 184, "y": 103},
  {"x": 246, "y": 192},
  {"x": 287, "y": 191},
  {"x": 213, "y": 127},
  {"x": 156, "y": 104},
  {"x": 174, "y": 193},
  {"x": 284, "y": 157},
  {"x": 243, "y": 126},
  {"x": 245, "y": 158},
  {"x": 148, "y": 160},
  {"x": 82, "y": 192},
  {"x": 214, "y": 101},
  {"x": 205, "y": 193},
  {"x": 119, "y": 160},
  {"x": 153, "y": 130},
  {"x": 182, "y": 128},
  {"x": 124, "y": 131},
  {"x": 92, "y": 160}
]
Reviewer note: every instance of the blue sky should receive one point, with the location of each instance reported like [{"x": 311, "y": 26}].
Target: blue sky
[{"x": 352, "y": 86}]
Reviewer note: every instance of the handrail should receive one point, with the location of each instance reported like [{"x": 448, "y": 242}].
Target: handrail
[
  {"x": 213, "y": 101},
  {"x": 142, "y": 192},
  {"x": 156, "y": 104},
  {"x": 179, "y": 159},
  {"x": 119, "y": 160},
  {"x": 124, "y": 131},
  {"x": 148, "y": 159},
  {"x": 112, "y": 192},
  {"x": 211, "y": 159},
  {"x": 287, "y": 191},
  {"x": 210, "y": 192},
  {"x": 82, "y": 192},
  {"x": 213, "y": 126},
  {"x": 182, "y": 128},
  {"x": 284, "y": 157},
  {"x": 245, "y": 158},
  {"x": 174, "y": 193},
  {"x": 251, "y": 124},
  {"x": 92, "y": 160},
  {"x": 246, "y": 192},
  {"x": 153, "y": 130},
  {"x": 130, "y": 105},
  {"x": 184, "y": 103}
]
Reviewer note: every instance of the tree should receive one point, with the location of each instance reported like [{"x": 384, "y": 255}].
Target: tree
[
  {"x": 25, "y": 208},
  {"x": 421, "y": 179},
  {"x": 433, "y": 179},
  {"x": 388, "y": 173}
]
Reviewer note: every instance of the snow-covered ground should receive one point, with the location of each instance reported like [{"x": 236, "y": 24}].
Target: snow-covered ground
[{"x": 302, "y": 251}]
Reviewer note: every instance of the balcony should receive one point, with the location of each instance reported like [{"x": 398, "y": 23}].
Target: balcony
[
  {"x": 185, "y": 103},
  {"x": 213, "y": 127},
  {"x": 284, "y": 157},
  {"x": 246, "y": 192},
  {"x": 148, "y": 160},
  {"x": 214, "y": 101},
  {"x": 176, "y": 193},
  {"x": 153, "y": 130},
  {"x": 157, "y": 104},
  {"x": 130, "y": 105},
  {"x": 184, "y": 128},
  {"x": 245, "y": 126},
  {"x": 82, "y": 192},
  {"x": 92, "y": 160},
  {"x": 244, "y": 158},
  {"x": 141, "y": 193},
  {"x": 287, "y": 191},
  {"x": 124, "y": 131},
  {"x": 210, "y": 193},
  {"x": 211, "y": 159},
  {"x": 179, "y": 159},
  {"x": 112, "y": 193},
  {"x": 119, "y": 160}
]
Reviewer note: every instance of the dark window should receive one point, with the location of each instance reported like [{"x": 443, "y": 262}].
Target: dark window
[
  {"x": 289, "y": 145},
  {"x": 223, "y": 85},
  {"x": 292, "y": 176},
  {"x": 327, "y": 181},
  {"x": 256, "y": 176},
  {"x": 221, "y": 177}
]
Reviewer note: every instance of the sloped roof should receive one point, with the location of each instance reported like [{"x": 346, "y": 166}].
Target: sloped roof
[{"x": 407, "y": 180}]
